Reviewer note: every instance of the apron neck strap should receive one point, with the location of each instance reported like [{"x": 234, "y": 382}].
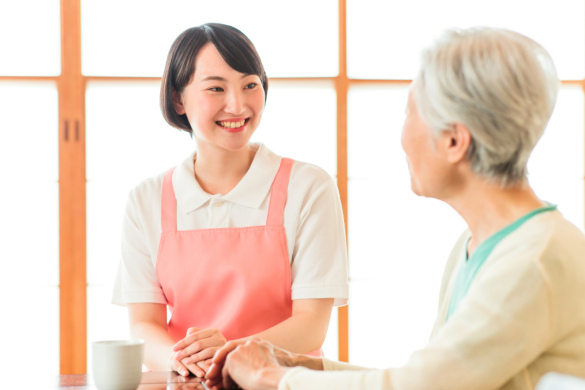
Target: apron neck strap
[
  {"x": 278, "y": 193},
  {"x": 168, "y": 204}
]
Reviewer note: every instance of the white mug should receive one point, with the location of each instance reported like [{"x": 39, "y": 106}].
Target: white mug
[{"x": 117, "y": 364}]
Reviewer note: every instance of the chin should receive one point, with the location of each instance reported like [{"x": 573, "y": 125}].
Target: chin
[
  {"x": 235, "y": 147},
  {"x": 416, "y": 189}
]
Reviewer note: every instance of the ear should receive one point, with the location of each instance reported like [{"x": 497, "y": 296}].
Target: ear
[
  {"x": 457, "y": 140},
  {"x": 178, "y": 103}
]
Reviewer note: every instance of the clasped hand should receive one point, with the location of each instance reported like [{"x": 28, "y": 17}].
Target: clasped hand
[{"x": 195, "y": 351}]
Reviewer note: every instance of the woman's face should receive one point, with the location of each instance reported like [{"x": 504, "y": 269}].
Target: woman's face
[
  {"x": 224, "y": 106},
  {"x": 426, "y": 161}
]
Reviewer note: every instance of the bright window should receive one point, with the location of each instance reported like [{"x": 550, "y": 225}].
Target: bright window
[
  {"x": 29, "y": 225},
  {"x": 139, "y": 34}
]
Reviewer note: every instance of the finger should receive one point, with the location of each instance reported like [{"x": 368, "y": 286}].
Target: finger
[
  {"x": 221, "y": 353},
  {"x": 226, "y": 381},
  {"x": 193, "y": 330},
  {"x": 199, "y": 335},
  {"x": 194, "y": 368},
  {"x": 214, "y": 385},
  {"x": 203, "y": 366},
  {"x": 200, "y": 346},
  {"x": 214, "y": 372},
  {"x": 180, "y": 368},
  {"x": 202, "y": 356}
]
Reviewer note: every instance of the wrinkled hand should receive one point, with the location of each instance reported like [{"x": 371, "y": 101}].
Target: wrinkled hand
[
  {"x": 251, "y": 363},
  {"x": 195, "y": 351}
]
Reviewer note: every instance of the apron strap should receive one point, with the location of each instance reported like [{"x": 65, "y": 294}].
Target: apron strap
[
  {"x": 168, "y": 204},
  {"x": 278, "y": 193}
]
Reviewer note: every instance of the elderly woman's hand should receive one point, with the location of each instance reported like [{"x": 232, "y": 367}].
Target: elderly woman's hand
[{"x": 251, "y": 363}]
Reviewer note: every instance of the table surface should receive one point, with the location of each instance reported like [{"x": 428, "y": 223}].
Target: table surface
[{"x": 150, "y": 381}]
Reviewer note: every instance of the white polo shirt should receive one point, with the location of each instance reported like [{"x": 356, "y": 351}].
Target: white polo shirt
[{"x": 313, "y": 221}]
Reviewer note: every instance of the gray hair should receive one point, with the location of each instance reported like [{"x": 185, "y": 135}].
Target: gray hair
[{"x": 500, "y": 84}]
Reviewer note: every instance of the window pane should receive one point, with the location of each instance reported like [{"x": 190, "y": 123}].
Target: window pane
[
  {"x": 140, "y": 33},
  {"x": 29, "y": 160},
  {"x": 127, "y": 137},
  {"x": 398, "y": 26},
  {"x": 299, "y": 122},
  {"x": 29, "y": 225},
  {"x": 31, "y": 38},
  {"x": 398, "y": 242},
  {"x": 556, "y": 167},
  {"x": 30, "y": 331}
]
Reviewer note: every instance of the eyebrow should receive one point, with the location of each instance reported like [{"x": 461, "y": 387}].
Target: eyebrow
[{"x": 219, "y": 78}]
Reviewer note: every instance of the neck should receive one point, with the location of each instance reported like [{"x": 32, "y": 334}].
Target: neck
[
  {"x": 218, "y": 171},
  {"x": 488, "y": 208}
]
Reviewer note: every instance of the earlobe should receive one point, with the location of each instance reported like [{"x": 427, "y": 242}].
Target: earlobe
[
  {"x": 460, "y": 139},
  {"x": 178, "y": 103}
]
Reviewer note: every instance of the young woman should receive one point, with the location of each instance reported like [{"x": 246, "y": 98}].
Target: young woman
[
  {"x": 235, "y": 241},
  {"x": 512, "y": 299}
]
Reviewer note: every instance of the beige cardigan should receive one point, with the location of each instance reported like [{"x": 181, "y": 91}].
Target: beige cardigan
[{"x": 524, "y": 315}]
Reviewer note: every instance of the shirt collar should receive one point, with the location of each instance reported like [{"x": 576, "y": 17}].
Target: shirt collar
[{"x": 251, "y": 191}]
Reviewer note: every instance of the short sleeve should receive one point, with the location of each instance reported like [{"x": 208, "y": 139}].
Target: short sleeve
[
  {"x": 136, "y": 280},
  {"x": 319, "y": 258}
]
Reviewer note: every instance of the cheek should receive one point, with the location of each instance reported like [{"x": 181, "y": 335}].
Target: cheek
[
  {"x": 406, "y": 139},
  {"x": 257, "y": 102},
  {"x": 403, "y": 139},
  {"x": 204, "y": 107}
]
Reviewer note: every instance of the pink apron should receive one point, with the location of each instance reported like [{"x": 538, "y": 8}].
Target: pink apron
[{"x": 237, "y": 280}]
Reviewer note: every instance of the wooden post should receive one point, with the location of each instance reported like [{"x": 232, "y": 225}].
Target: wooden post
[
  {"x": 72, "y": 230},
  {"x": 342, "y": 86}
]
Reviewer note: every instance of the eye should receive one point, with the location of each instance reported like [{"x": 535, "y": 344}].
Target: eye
[
  {"x": 216, "y": 89},
  {"x": 250, "y": 86}
]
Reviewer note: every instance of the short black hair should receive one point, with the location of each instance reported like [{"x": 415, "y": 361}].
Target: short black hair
[{"x": 235, "y": 48}]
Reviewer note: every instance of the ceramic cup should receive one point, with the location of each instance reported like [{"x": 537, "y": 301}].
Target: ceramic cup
[{"x": 117, "y": 364}]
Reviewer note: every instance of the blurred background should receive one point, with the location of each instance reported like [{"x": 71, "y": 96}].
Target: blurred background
[{"x": 80, "y": 125}]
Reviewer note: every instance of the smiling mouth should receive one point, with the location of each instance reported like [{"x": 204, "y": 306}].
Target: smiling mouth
[{"x": 233, "y": 124}]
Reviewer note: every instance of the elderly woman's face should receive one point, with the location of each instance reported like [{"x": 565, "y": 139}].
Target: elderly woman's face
[{"x": 426, "y": 161}]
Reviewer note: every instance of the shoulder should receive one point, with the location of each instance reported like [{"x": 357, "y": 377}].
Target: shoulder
[
  {"x": 561, "y": 245},
  {"x": 548, "y": 236},
  {"x": 143, "y": 201},
  {"x": 147, "y": 189},
  {"x": 302, "y": 173},
  {"x": 548, "y": 247},
  {"x": 150, "y": 189},
  {"x": 309, "y": 175},
  {"x": 560, "y": 262}
]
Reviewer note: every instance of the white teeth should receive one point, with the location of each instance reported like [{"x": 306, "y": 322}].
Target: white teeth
[{"x": 232, "y": 125}]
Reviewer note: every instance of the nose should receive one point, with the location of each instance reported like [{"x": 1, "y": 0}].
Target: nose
[{"x": 235, "y": 102}]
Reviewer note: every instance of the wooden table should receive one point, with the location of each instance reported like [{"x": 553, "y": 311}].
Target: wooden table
[{"x": 150, "y": 381}]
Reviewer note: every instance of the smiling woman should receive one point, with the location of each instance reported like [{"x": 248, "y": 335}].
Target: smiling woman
[{"x": 269, "y": 229}]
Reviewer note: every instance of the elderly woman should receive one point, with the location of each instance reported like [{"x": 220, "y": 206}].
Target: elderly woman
[{"x": 512, "y": 301}]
